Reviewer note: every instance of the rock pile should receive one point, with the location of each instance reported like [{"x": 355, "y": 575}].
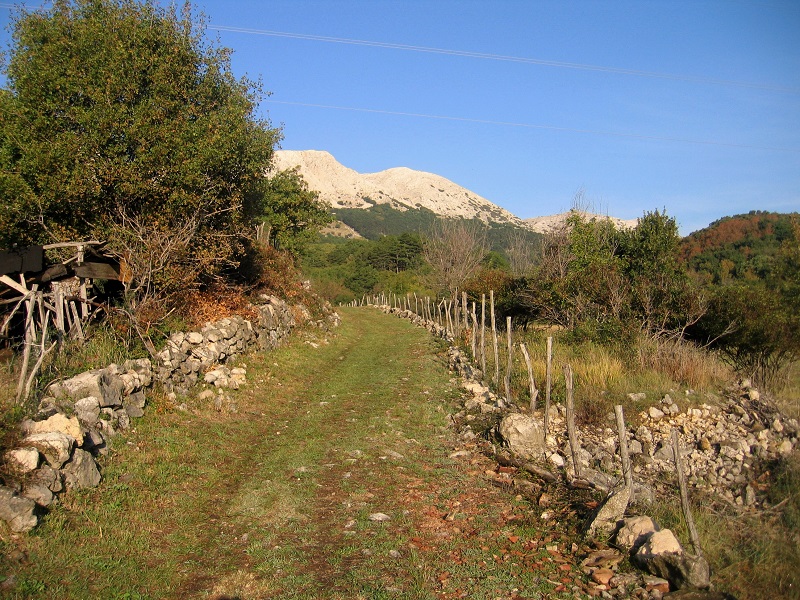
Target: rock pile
[
  {"x": 187, "y": 356},
  {"x": 726, "y": 448},
  {"x": 78, "y": 416}
]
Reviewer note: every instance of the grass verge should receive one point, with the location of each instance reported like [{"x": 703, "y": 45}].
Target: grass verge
[{"x": 275, "y": 499}]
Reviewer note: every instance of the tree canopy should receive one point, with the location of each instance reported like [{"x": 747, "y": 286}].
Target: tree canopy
[
  {"x": 120, "y": 111},
  {"x": 290, "y": 214}
]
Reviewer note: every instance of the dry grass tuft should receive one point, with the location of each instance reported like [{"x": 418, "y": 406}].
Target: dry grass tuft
[
  {"x": 684, "y": 362},
  {"x": 216, "y": 303},
  {"x": 753, "y": 555}
]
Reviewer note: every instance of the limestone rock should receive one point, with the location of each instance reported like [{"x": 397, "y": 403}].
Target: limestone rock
[
  {"x": 524, "y": 435},
  {"x": 17, "y": 511},
  {"x": 59, "y": 423},
  {"x": 22, "y": 460},
  {"x": 39, "y": 493},
  {"x": 134, "y": 405},
  {"x": 50, "y": 477},
  {"x": 81, "y": 471},
  {"x": 379, "y": 517},
  {"x": 103, "y": 384},
  {"x": 55, "y": 446},
  {"x": 611, "y": 511},
  {"x": 663, "y": 556},
  {"x": 88, "y": 410},
  {"x": 660, "y": 542},
  {"x": 194, "y": 337},
  {"x": 634, "y": 532},
  {"x": 681, "y": 570}
]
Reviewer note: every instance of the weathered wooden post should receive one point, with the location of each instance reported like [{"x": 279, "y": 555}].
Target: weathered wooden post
[
  {"x": 623, "y": 450},
  {"x": 474, "y": 334},
  {"x": 30, "y": 336},
  {"x": 687, "y": 509},
  {"x": 449, "y": 321},
  {"x": 548, "y": 384},
  {"x": 510, "y": 361},
  {"x": 534, "y": 393},
  {"x": 573, "y": 438},
  {"x": 494, "y": 339},
  {"x": 83, "y": 293},
  {"x": 483, "y": 334}
]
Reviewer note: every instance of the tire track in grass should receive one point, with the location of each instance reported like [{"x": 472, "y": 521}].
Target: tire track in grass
[
  {"x": 273, "y": 501},
  {"x": 344, "y": 394}
]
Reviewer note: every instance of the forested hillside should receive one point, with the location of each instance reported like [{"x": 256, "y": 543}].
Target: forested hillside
[{"x": 738, "y": 247}]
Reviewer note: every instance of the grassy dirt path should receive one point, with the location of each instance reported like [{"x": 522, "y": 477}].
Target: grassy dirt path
[{"x": 336, "y": 477}]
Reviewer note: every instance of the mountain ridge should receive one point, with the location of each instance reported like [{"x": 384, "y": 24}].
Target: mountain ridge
[
  {"x": 400, "y": 187},
  {"x": 405, "y": 189}
]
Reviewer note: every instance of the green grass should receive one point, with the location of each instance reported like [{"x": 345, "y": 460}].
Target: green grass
[
  {"x": 754, "y": 555},
  {"x": 258, "y": 503},
  {"x": 604, "y": 376}
]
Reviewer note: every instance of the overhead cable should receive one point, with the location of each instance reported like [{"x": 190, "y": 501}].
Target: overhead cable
[
  {"x": 505, "y": 58},
  {"x": 621, "y": 134}
]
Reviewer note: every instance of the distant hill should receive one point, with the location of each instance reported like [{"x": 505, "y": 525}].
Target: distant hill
[
  {"x": 402, "y": 200},
  {"x": 399, "y": 188},
  {"x": 738, "y": 247},
  {"x": 553, "y": 222}
]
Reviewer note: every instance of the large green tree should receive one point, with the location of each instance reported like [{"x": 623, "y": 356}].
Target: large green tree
[
  {"x": 289, "y": 215},
  {"x": 121, "y": 121}
]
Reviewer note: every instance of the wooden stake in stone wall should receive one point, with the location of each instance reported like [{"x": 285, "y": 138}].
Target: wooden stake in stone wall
[
  {"x": 573, "y": 438},
  {"x": 623, "y": 450},
  {"x": 474, "y": 333},
  {"x": 483, "y": 334},
  {"x": 494, "y": 339},
  {"x": 687, "y": 509},
  {"x": 465, "y": 309},
  {"x": 509, "y": 363},
  {"x": 534, "y": 393},
  {"x": 30, "y": 339},
  {"x": 548, "y": 384}
]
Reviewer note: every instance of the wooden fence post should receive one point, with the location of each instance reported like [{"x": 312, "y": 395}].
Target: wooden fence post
[
  {"x": 465, "y": 309},
  {"x": 509, "y": 363},
  {"x": 30, "y": 336},
  {"x": 687, "y": 509},
  {"x": 483, "y": 334},
  {"x": 573, "y": 438},
  {"x": 623, "y": 450},
  {"x": 494, "y": 339},
  {"x": 548, "y": 384},
  {"x": 474, "y": 334},
  {"x": 534, "y": 393}
]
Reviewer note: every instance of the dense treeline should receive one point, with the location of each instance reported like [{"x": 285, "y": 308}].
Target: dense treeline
[
  {"x": 738, "y": 247},
  {"x": 733, "y": 287},
  {"x": 749, "y": 266},
  {"x": 120, "y": 122}
]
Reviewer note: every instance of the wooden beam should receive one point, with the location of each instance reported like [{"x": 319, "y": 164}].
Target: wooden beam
[
  {"x": 72, "y": 244},
  {"x": 96, "y": 270},
  {"x": 13, "y": 284}
]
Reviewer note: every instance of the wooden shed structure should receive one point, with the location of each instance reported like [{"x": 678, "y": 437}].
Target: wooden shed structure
[{"x": 36, "y": 295}]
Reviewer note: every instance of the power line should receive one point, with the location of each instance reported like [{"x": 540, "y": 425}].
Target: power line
[
  {"x": 602, "y": 132},
  {"x": 505, "y": 58}
]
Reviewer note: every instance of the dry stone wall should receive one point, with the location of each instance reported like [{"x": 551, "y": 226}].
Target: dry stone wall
[
  {"x": 727, "y": 446},
  {"x": 79, "y": 416}
]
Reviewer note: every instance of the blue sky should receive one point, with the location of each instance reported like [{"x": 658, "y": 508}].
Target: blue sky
[{"x": 688, "y": 106}]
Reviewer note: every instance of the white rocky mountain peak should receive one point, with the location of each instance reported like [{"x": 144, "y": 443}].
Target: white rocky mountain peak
[
  {"x": 403, "y": 189},
  {"x": 400, "y": 187}
]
